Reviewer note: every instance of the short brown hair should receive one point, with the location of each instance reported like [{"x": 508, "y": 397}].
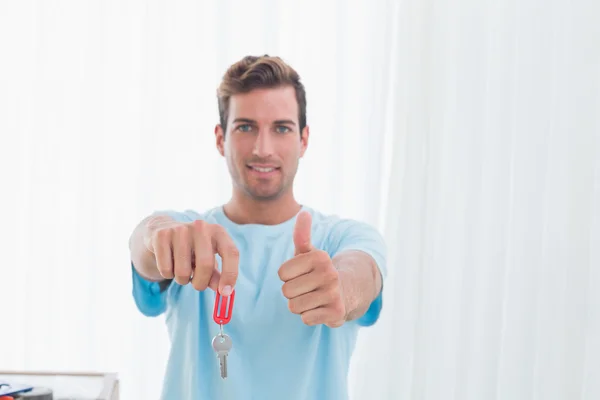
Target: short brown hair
[{"x": 253, "y": 72}]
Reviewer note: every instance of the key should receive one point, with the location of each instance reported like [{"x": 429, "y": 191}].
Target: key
[{"x": 222, "y": 344}]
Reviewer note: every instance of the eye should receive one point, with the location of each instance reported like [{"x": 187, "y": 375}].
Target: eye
[
  {"x": 244, "y": 128},
  {"x": 283, "y": 129}
]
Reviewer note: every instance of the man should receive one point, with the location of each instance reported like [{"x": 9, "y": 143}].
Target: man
[{"x": 304, "y": 281}]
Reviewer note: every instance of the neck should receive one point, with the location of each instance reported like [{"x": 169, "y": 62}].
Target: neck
[{"x": 242, "y": 209}]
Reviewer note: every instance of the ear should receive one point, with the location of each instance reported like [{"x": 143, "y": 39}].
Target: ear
[
  {"x": 304, "y": 139},
  {"x": 220, "y": 138}
]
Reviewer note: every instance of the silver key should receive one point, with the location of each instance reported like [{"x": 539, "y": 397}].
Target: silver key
[{"x": 222, "y": 344}]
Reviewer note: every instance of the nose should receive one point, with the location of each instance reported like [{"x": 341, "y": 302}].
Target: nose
[{"x": 263, "y": 146}]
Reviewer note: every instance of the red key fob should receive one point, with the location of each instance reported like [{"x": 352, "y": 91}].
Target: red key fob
[{"x": 223, "y": 309}]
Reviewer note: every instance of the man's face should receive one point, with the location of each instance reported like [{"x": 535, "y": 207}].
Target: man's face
[{"x": 263, "y": 144}]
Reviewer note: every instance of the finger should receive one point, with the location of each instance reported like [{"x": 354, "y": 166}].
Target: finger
[
  {"x": 309, "y": 301},
  {"x": 162, "y": 253},
  {"x": 182, "y": 254},
  {"x": 214, "y": 279},
  {"x": 301, "y": 285},
  {"x": 315, "y": 316},
  {"x": 296, "y": 267},
  {"x": 204, "y": 257},
  {"x": 302, "y": 229},
  {"x": 230, "y": 257}
]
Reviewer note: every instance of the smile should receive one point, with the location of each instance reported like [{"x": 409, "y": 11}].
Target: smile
[{"x": 263, "y": 171}]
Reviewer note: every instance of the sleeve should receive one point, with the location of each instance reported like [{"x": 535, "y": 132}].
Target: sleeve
[
  {"x": 151, "y": 298},
  {"x": 355, "y": 235}
]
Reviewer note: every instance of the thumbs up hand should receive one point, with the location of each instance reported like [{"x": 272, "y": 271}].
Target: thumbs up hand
[{"x": 311, "y": 282}]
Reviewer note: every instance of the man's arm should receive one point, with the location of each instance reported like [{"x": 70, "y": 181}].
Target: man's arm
[{"x": 360, "y": 281}]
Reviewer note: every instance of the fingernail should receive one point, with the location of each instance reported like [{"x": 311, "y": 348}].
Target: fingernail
[{"x": 226, "y": 291}]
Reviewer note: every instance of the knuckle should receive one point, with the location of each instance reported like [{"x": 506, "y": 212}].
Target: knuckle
[
  {"x": 166, "y": 273},
  {"x": 339, "y": 310},
  {"x": 205, "y": 261},
  {"x": 180, "y": 230},
  {"x": 322, "y": 257},
  {"x": 182, "y": 266},
  {"x": 182, "y": 279},
  {"x": 330, "y": 274},
  {"x": 293, "y": 306},
  {"x": 162, "y": 235},
  {"x": 183, "y": 255},
  {"x": 216, "y": 229},
  {"x": 199, "y": 285},
  {"x": 285, "y": 289},
  {"x": 320, "y": 260},
  {"x": 229, "y": 275},
  {"x": 232, "y": 251},
  {"x": 199, "y": 225},
  {"x": 308, "y": 320},
  {"x": 332, "y": 295},
  {"x": 281, "y": 272}
]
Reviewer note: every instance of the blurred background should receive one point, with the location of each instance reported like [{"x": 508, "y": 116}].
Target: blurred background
[{"x": 467, "y": 131}]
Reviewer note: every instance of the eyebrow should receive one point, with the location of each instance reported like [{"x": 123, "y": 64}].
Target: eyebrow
[
  {"x": 278, "y": 122},
  {"x": 285, "y": 121},
  {"x": 245, "y": 120}
]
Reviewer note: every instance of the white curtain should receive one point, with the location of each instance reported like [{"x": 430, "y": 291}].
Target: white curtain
[
  {"x": 494, "y": 205},
  {"x": 467, "y": 131}
]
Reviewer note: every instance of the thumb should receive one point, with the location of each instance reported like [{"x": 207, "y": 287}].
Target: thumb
[{"x": 302, "y": 228}]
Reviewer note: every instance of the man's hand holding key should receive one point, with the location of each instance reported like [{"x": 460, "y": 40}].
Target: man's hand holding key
[
  {"x": 311, "y": 281},
  {"x": 186, "y": 252}
]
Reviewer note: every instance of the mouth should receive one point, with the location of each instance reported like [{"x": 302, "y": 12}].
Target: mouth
[{"x": 263, "y": 171}]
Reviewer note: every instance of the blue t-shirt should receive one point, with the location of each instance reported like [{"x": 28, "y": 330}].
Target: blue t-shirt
[{"x": 275, "y": 355}]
